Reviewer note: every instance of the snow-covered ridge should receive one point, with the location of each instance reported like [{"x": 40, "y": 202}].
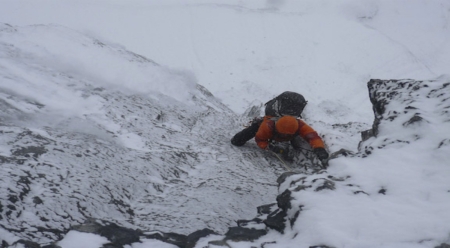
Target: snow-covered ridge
[
  {"x": 358, "y": 202},
  {"x": 395, "y": 190},
  {"x": 421, "y": 107},
  {"x": 32, "y": 51},
  {"x": 361, "y": 201},
  {"x": 78, "y": 144}
]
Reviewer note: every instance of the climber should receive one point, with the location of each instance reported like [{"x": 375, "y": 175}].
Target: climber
[
  {"x": 287, "y": 104},
  {"x": 288, "y": 128}
]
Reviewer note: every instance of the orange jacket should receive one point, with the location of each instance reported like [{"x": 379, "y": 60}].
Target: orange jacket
[{"x": 267, "y": 132}]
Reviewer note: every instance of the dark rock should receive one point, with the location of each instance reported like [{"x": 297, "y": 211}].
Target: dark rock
[
  {"x": 5, "y": 159},
  {"x": 219, "y": 243},
  {"x": 378, "y": 102},
  {"x": 51, "y": 246},
  {"x": 443, "y": 245},
  {"x": 301, "y": 187},
  {"x": 444, "y": 142},
  {"x": 244, "y": 223},
  {"x": 276, "y": 220},
  {"x": 382, "y": 191},
  {"x": 365, "y": 135},
  {"x": 13, "y": 198},
  {"x": 243, "y": 234},
  {"x": 193, "y": 238},
  {"x": 37, "y": 200},
  {"x": 414, "y": 119},
  {"x": 26, "y": 244},
  {"x": 283, "y": 177},
  {"x": 360, "y": 192},
  {"x": 266, "y": 209},
  {"x": 341, "y": 152},
  {"x": 35, "y": 150},
  {"x": 89, "y": 226},
  {"x": 284, "y": 200},
  {"x": 327, "y": 184},
  {"x": 292, "y": 221},
  {"x": 111, "y": 245},
  {"x": 179, "y": 240},
  {"x": 115, "y": 234},
  {"x": 120, "y": 235},
  {"x": 338, "y": 179}
]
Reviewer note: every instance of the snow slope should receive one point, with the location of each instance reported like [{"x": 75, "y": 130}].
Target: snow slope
[
  {"x": 246, "y": 51},
  {"x": 130, "y": 153},
  {"x": 68, "y": 83},
  {"x": 395, "y": 192}
]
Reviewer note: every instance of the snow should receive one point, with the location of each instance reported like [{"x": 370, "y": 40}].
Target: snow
[
  {"x": 54, "y": 54},
  {"x": 256, "y": 49},
  {"x": 74, "y": 239},
  {"x": 151, "y": 243}
]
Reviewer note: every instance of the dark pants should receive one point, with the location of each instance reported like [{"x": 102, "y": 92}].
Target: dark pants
[{"x": 247, "y": 133}]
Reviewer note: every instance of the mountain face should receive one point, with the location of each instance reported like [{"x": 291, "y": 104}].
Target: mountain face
[
  {"x": 396, "y": 183},
  {"x": 74, "y": 149},
  {"x": 98, "y": 140},
  {"x": 410, "y": 119}
]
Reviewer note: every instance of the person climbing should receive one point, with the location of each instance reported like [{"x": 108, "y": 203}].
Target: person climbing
[
  {"x": 287, "y": 103},
  {"x": 290, "y": 105},
  {"x": 288, "y": 128}
]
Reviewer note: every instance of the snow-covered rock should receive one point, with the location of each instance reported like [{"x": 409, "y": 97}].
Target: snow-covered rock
[
  {"x": 322, "y": 209},
  {"x": 97, "y": 140},
  {"x": 409, "y": 111},
  {"x": 91, "y": 130},
  {"x": 363, "y": 194}
]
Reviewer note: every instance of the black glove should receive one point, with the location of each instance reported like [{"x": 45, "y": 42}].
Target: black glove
[
  {"x": 276, "y": 149},
  {"x": 321, "y": 153}
]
